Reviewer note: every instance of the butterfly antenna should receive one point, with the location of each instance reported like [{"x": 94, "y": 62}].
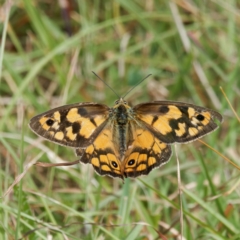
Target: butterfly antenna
[
  {"x": 136, "y": 85},
  {"x": 106, "y": 84}
]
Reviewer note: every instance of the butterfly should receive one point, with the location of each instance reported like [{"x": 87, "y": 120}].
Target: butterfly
[{"x": 125, "y": 141}]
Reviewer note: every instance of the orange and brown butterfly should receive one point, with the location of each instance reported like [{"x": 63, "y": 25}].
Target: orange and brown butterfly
[{"x": 125, "y": 141}]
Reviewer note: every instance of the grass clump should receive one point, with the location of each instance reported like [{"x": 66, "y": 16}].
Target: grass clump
[{"x": 47, "y": 55}]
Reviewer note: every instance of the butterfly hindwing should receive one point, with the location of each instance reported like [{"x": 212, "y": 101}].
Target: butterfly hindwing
[
  {"x": 102, "y": 154},
  {"x": 74, "y": 125},
  {"x": 175, "y": 121},
  {"x": 144, "y": 153}
]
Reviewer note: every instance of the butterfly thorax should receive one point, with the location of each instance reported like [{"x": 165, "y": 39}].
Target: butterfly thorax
[
  {"x": 121, "y": 112},
  {"x": 121, "y": 115}
]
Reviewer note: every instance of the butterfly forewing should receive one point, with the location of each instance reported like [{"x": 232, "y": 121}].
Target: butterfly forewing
[
  {"x": 175, "y": 121},
  {"x": 75, "y": 125}
]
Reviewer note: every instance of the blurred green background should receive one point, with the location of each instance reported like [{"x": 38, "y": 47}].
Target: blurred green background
[{"x": 47, "y": 54}]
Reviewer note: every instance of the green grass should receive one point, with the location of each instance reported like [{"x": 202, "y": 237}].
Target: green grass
[{"x": 122, "y": 41}]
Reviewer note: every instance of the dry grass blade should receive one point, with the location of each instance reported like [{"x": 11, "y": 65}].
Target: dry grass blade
[
  {"x": 20, "y": 176},
  {"x": 225, "y": 158},
  {"x": 229, "y": 103}
]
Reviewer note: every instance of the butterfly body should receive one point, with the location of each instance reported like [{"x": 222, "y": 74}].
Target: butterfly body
[
  {"x": 123, "y": 141},
  {"x": 120, "y": 118}
]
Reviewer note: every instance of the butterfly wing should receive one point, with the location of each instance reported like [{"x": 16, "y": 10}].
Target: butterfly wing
[
  {"x": 102, "y": 153},
  {"x": 74, "y": 125},
  {"x": 175, "y": 121},
  {"x": 144, "y": 152}
]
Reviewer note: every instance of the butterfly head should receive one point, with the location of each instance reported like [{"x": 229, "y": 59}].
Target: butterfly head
[
  {"x": 120, "y": 102},
  {"x": 121, "y": 111}
]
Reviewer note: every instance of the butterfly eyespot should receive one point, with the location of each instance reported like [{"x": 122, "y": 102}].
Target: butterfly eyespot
[
  {"x": 49, "y": 122},
  {"x": 200, "y": 117},
  {"x": 131, "y": 162},
  {"x": 114, "y": 164}
]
